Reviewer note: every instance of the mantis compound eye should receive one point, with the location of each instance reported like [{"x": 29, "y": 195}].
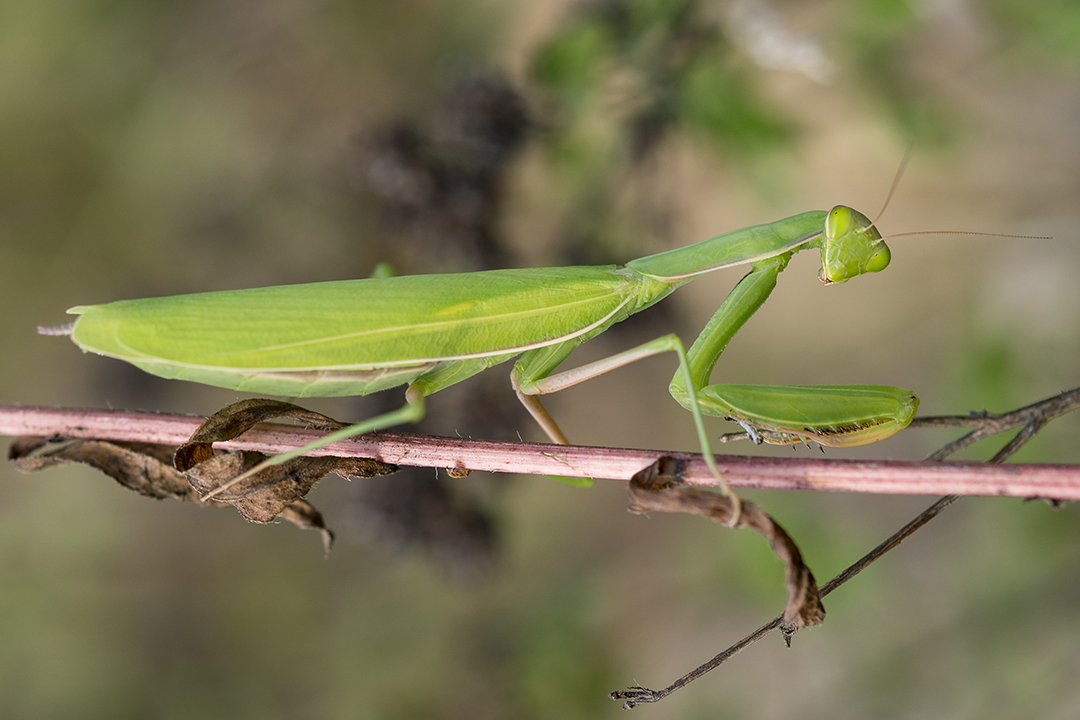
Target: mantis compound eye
[
  {"x": 879, "y": 260},
  {"x": 839, "y": 221}
]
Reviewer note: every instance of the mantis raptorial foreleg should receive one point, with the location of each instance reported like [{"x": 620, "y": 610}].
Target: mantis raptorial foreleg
[
  {"x": 839, "y": 416},
  {"x": 740, "y": 304}
]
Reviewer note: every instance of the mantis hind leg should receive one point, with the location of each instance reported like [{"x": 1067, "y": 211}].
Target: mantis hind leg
[
  {"x": 442, "y": 376},
  {"x": 540, "y": 414},
  {"x": 412, "y": 411}
]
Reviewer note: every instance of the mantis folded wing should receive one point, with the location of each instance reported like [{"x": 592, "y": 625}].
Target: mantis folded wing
[{"x": 432, "y": 331}]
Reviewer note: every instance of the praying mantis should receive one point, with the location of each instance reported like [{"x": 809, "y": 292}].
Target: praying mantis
[{"x": 429, "y": 332}]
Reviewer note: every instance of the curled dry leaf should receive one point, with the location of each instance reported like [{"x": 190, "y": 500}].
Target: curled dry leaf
[
  {"x": 273, "y": 490},
  {"x": 657, "y": 488},
  {"x": 145, "y": 468},
  {"x": 236, "y": 419},
  {"x": 266, "y": 494}
]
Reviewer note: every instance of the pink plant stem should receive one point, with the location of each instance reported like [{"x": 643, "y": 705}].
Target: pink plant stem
[{"x": 883, "y": 477}]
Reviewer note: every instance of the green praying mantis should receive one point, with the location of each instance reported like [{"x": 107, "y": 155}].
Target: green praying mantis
[{"x": 429, "y": 332}]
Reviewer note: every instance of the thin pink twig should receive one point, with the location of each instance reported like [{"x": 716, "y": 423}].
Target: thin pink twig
[{"x": 882, "y": 477}]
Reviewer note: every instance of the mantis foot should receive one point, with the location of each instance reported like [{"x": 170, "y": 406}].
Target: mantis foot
[
  {"x": 751, "y": 431},
  {"x": 636, "y": 695}
]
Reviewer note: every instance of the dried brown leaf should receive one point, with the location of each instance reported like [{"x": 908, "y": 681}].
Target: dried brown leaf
[
  {"x": 145, "y": 468},
  {"x": 271, "y": 492},
  {"x": 264, "y": 495},
  {"x": 657, "y": 488},
  {"x": 142, "y": 467},
  {"x": 236, "y": 419}
]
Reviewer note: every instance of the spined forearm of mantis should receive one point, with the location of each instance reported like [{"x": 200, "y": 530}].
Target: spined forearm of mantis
[{"x": 428, "y": 332}]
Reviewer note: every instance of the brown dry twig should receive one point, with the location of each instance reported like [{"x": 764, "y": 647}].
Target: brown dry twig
[
  {"x": 658, "y": 488},
  {"x": 1030, "y": 419}
]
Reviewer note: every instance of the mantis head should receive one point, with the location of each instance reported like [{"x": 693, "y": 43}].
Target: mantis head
[{"x": 851, "y": 246}]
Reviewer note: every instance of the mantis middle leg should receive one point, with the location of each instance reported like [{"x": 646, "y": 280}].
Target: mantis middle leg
[{"x": 531, "y": 377}]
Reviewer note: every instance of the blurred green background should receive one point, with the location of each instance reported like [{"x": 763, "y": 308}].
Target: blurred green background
[{"x": 149, "y": 148}]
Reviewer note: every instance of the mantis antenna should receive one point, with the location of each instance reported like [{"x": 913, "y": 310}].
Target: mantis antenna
[{"x": 896, "y": 182}]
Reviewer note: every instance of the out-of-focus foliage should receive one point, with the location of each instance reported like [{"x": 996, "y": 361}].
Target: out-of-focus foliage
[
  {"x": 654, "y": 66},
  {"x": 620, "y": 78},
  {"x": 1048, "y": 30}
]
